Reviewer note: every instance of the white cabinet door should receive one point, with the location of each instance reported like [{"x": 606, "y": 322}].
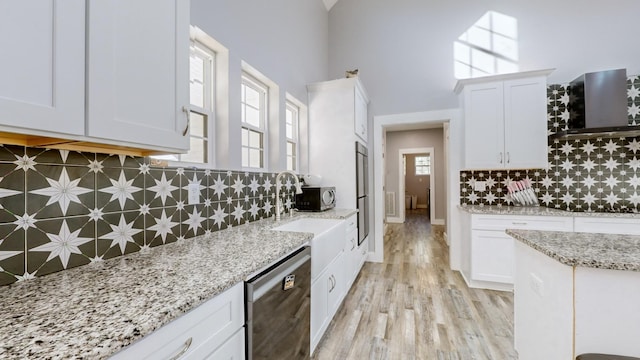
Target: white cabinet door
[
  {"x": 525, "y": 124},
  {"x": 492, "y": 256},
  {"x": 42, "y": 65},
  {"x": 319, "y": 312},
  {"x": 352, "y": 258},
  {"x": 336, "y": 285},
  {"x": 484, "y": 126},
  {"x": 232, "y": 349},
  {"x": 137, "y": 70},
  {"x": 361, "y": 125}
]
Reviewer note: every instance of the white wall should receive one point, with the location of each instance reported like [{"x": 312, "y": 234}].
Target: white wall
[
  {"x": 286, "y": 40},
  {"x": 404, "y": 48},
  {"x": 397, "y": 140}
]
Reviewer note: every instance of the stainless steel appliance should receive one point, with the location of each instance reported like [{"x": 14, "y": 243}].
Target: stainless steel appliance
[
  {"x": 316, "y": 198},
  {"x": 362, "y": 191},
  {"x": 278, "y": 307}
]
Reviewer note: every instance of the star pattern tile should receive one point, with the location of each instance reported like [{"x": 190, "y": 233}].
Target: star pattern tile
[{"x": 584, "y": 174}]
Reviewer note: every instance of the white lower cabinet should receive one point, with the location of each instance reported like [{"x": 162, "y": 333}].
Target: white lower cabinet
[
  {"x": 492, "y": 254},
  {"x": 327, "y": 292},
  {"x": 213, "y": 330}
]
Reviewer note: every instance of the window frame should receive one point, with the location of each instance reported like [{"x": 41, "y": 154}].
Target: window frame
[
  {"x": 426, "y": 166},
  {"x": 294, "y": 109},
  {"x": 203, "y": 44},
  {"x": 263, "y": 89}
]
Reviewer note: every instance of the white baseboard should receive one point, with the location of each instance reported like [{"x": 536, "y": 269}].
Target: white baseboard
[
  {"x": 437, "y": 222},
  {"x": 373, "y": 257},
  {"x": 394, "y": 220}
]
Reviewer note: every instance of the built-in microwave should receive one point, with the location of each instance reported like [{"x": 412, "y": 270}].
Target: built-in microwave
[{"x": 316, "y": 198}]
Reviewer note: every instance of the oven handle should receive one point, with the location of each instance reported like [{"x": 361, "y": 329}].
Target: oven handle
[{"x": 263, "y": 282}]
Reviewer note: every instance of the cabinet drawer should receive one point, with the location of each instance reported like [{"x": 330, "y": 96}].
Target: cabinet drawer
[
  {"x": 607, "y": 225},
  {"x": 351, "y": 223},
  {"x": 502, "y": 222},
  {"x": 200, "y": 331}
]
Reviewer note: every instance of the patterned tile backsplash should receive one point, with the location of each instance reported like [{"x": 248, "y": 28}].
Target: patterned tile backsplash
[
  {"x": 598, "y": 174},
  {"x": 62, "y": 209}
]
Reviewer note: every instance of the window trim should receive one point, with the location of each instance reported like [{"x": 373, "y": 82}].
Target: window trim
[
  {"x": 217, "y": 98},
  {"x": 248, "y": 80},
  {"x": 427, "y": 166},
  {"x": 290, "y": 106}
]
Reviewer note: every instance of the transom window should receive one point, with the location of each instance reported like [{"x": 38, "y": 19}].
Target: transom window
[
  {"x": 292, "y": 119},
  {"x": 254, "y": 114},
  {"x": 423, "y": 165}
]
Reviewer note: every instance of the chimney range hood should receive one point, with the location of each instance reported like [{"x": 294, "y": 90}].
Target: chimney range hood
[{"x": 598, "y": 106}]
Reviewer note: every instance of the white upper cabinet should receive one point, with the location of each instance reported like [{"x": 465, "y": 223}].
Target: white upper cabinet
[
  {"x": 42, "y": 65},
  {"x": 99, "y": 75},
  {"x": 505, "y": 120},
  {"x": 138, "y": 71},
  {"x": 360, "y": 123}
]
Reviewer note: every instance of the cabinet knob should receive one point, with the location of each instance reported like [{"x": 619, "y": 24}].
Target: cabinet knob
[
  {"x": 188, "y": 112},
  {"x": 508, "y": 157},
  {"x": 500, "y": 157}
]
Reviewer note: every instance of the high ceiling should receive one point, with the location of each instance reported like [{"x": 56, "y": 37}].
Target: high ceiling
[{"x": 329, "y": 3}]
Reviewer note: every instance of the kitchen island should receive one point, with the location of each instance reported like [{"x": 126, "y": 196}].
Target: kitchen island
[
  {"x": 576, "y": 293},
  {"x": 94, "y": 311}
]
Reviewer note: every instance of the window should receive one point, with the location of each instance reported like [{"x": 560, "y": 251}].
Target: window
[
  {"x": 490, "y": 46},
  {"x": 292, "y": 119},
  {"x": 254, "y": 114},
  {"x": 423, "y": 165},
  {"x": 201, "y": 114}
]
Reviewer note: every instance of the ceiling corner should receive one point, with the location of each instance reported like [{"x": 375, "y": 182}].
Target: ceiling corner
[{"x": 329, "y": 3}]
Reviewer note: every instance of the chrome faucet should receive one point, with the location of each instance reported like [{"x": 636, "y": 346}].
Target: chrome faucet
[{"x": 279, "y": 207}]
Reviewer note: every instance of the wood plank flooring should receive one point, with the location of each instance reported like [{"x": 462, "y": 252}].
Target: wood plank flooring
[{"x": 412, "y": 306}]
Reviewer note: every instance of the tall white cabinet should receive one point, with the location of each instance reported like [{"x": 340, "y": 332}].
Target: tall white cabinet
[
  {"x": 505, "y": 120},
  {"x": 42, "y": 65},
  {"x": 95, "y": 74},
  {"x": 337, "y": 117}
]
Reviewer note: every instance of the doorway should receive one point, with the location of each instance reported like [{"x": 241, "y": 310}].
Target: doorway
[
  {"x": 450, "y": 120},
  {"x": 416, "y": 180}
]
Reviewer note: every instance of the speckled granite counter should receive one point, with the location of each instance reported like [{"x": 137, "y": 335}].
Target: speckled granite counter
[
  {"x": 93, "y": 311},
  {"x": 537, "y": 211},
  {"x": 600, "y": 251}
]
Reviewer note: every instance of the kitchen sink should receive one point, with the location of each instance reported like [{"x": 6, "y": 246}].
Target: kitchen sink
[
  {"x": 328, "y": 239},
  {"x": 309, "y": 225}
]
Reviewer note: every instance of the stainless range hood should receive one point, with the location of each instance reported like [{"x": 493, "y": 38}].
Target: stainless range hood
[{"x": 598, "y": 106}]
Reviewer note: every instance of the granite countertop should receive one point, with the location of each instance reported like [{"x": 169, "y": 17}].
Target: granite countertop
[
  {"x": 93, "y": 311},
  {"x": 600, "y": 251},
  {"x": 539, "y": 211}
]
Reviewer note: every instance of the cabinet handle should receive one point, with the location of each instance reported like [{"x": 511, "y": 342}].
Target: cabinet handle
[
  {"x": 331, "y": 283},
  {"x": 186, "y": 129},
  {"x": 353, "y": 243},
  {"x": 362, "y": 126},
  {"x": 508, "y": 157},
  {"x": 500, "y": 157},
  {"x": 518, "y": 223},
  {"x": 185, "y": 347}
]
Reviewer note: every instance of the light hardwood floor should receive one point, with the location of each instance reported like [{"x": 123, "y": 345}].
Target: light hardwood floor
[{"x": 412, "y": 306}]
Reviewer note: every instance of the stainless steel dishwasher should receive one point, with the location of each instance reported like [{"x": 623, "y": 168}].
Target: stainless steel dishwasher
[{"x": 278, "y": 305}]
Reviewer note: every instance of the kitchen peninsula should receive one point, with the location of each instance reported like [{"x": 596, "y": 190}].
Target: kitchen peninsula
[{"x": 576, "y": 293}]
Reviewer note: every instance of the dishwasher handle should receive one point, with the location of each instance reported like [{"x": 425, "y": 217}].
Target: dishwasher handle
[{"x": 265, "y": 280}]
